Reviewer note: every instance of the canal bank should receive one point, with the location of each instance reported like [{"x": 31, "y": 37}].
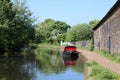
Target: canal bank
[{"x": 93, "y": 56}]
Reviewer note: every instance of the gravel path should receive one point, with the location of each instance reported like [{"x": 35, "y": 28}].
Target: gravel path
[{"x": 93, "y": 56}]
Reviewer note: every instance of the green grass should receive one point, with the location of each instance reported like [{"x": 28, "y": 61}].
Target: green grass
[
  {"x": 98, "y": 72},
  {"x": 48, "y": 46},
  {"x": 84, "y": 48},
  {"x": 112, "y": 56}
]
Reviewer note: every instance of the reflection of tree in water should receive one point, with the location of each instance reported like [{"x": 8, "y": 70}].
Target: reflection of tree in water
[
  {"x": 49, "y": 61},
  {"x": 12, "y": 68},
  {"x": 79, "y": 67},
  {"x": 25, "y": 68}
]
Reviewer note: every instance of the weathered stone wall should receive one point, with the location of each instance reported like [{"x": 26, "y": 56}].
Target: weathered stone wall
[
  {"x": 107, "y": 36},
  {"x": 83, "y": 43}
]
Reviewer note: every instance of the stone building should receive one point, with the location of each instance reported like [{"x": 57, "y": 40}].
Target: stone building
[{"x": 107, "y": 31}]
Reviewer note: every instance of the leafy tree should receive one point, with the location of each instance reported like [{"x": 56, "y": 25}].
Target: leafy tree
[
  {"x": 71, "y": 34},
  {"x": 61, "y": 26},
  {"x": 61, "y": 37},
  {"x": 93, "y": 23},
  {"x": 49, "y": 30},
  {"x": 16, "y": 25},
  {"x": 24, "y": 28},
  {"x": 79, "y": 32},
  {"x": 43, "y": 31},
  {"x": 6, "y": 21}
]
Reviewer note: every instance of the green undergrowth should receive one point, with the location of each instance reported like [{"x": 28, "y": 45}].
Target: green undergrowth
[
  {"x": 112, "y": 56},
  {"x": 98, "y": 72}
]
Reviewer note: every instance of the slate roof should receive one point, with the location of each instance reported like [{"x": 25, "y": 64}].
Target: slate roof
[{"x": 109, "y": 14}]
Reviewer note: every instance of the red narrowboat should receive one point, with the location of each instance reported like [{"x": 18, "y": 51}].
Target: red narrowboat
[{"x": 70, "y": 55}]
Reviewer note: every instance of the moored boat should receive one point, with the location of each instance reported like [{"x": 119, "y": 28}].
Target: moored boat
[{"x": 70, "y": 52}]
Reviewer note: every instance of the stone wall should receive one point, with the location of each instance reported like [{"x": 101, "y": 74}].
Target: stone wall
[
  {"x": 83, "y": 43},
  {"x": 107, "y": 36}
]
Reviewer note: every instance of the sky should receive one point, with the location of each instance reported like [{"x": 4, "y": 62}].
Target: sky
[{"x": 72, "y": 12}]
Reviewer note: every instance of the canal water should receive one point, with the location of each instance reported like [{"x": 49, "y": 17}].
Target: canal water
[{"x": 41, "y": 65}]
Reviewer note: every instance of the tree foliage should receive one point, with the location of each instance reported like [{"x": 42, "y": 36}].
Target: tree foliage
[
  {"x": 25, "y": 31},
  {"x": 79, "y": 32},
  {"x": 16, "y": 25},
  {"x": 51, "y": 30},
  {"x": 93, "y": 23},
  {"x": 6, "y": 21}
]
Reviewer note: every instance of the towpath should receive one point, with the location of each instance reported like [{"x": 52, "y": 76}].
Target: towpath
[{"x": 93, "y": 56}]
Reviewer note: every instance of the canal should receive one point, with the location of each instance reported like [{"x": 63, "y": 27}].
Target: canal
[{"x": 41, "y": 65}]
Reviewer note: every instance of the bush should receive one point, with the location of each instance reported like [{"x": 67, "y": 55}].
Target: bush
[{"x": 92, "y": 44}]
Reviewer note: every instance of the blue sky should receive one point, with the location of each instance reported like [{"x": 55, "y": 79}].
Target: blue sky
[{"x": 70, "y": 11}]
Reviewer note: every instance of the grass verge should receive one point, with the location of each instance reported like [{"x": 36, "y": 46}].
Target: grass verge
[
  {"x": 84, "y": 48},
  {"x": 112, "y": 56},
  {"x": 98, "y": 72}
]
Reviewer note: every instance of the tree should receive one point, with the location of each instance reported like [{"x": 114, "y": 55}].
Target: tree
[
  {"x": 61, "y": 37},
  {"x": 71, "y": 35},
  {"x": 79, "y": 32},
  {"x": 16, "y": 25},
  {"x": 52, "y": 29},
  {"x": 93, "y": 23},
  {"x": 24, "y": 29},
  {"x": 61, "y": 26},
  {"x": 44, "y": 30},
  {"x": 6, "y": 21}
]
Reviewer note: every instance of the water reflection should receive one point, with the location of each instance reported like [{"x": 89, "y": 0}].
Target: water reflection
[
  {"x": 46, "y": 65},
  {"x": 69, "y": 58},
  {"x": 11, "y": 69},
  {"x": 49, "y": 61}
]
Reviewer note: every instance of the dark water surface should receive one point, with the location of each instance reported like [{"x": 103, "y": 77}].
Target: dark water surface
[{"x": 44, "y": 65}]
